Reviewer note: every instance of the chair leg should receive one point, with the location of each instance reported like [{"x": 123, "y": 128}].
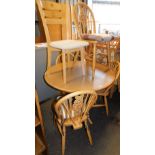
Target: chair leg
[
  {"x": 106, "y": 105},
  {"x": 63, "y": 139},
  {"x": 89, "y": 120},
  {"x": 94, "y": 61},
  {"x": 59, "y": 128},
  {"x": 112, "y": 91},
  {"x": 64, "y": 66},
  {"x": 88, "y": 133},
  {"x": 75, "y": 58}
]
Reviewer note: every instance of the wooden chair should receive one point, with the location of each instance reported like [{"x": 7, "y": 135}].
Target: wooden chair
[
  {"x": 84, "y": 20},
  {"x": 85, "y": 23},
  {"x": 40, "y": 142},
  {"x": 115, "y": 48},
  {"x": 57, "y": 27},
  {"x": 73, "y": 110},
  {"x": 115, "y": 66}
]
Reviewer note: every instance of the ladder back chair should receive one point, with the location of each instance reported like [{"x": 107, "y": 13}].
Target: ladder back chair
[
  {"x": 73, "y": 110},
  {"x": 57, "y": 26},
  {"x": 115, "y": 66}
]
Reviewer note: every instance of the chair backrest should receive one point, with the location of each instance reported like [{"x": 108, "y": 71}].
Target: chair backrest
[
  {"x": 83, "y": 18},
  {"x": 56, "y": 20},
  {"x": 75, "y": 104}
]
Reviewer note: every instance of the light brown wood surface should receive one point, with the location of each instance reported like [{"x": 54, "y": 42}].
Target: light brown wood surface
[
  {"x": 41, "y": 37},
  {"x": 76, "y": 81}
]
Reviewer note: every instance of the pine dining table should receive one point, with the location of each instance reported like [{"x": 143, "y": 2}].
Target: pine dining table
[{"x": 76, "y": 81}]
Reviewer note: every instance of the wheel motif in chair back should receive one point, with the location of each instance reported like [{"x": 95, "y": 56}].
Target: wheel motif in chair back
[{"x": 78, "y": 105}]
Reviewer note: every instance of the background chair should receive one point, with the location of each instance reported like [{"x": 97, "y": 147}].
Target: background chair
[
  {"x": 56, "y": 23},
  {"x": 73, "y": 110},
  {"x": 115, "y": 48},
  {"x": 86, "y": 29},
  {"x": 115, "y": 66}
]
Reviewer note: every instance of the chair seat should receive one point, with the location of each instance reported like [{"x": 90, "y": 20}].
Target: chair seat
[
  {"x": 77, "y": 120},
  {"x": 98, "y": 37},
  {"x": 69, "y": 44}
]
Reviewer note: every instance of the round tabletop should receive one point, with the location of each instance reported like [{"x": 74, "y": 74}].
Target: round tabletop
[{"x": 76, "y": 81}]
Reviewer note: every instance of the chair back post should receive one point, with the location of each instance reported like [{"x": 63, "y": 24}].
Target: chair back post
[
  {"x": 68, "y": 20},
  {"x": 40, "y": 8}
]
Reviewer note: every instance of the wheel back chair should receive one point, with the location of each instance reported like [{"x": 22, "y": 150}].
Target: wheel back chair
[
  {"x": 73, "y": 110},
  {"x": 99, "y": 44},
  {"x": 115, "y": 66}
]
